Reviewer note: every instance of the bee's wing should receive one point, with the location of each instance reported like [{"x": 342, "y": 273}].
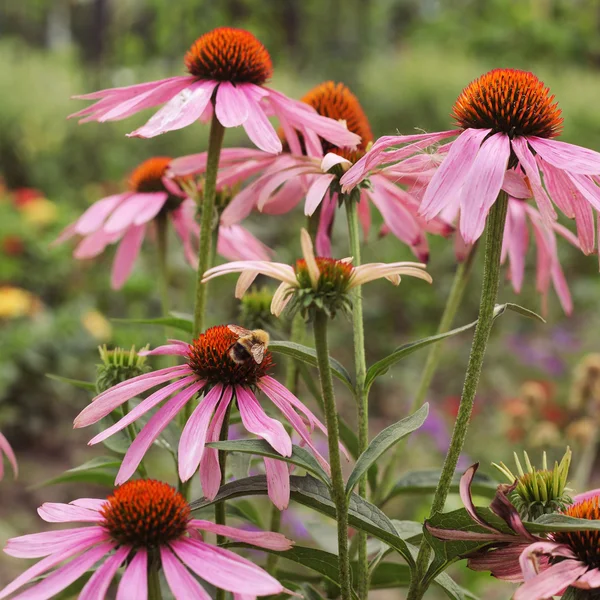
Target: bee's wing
[
  {"x": 258, "y": 353},
  {"x": 239, "y": 331}
]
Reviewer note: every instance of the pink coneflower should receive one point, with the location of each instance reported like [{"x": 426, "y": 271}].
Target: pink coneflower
[
  {"x": 209, "y": 369},
  {"x": 125, "y": 217},
  {"x": 507, "y": 119},
  {"x": 143, "y": 524},
  {"x": 228, "y": 70},
  {"x": 5, "y": 449},
  {"x": 326, "y": 278}
]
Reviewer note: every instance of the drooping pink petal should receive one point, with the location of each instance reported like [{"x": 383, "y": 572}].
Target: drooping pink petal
[
  {"x": 237, "y": 243},
  {"x": 126, "y": 255},
  {"x": 37, "y": 545},
  {"x": 185, "y": 228},
  {"x": 176, "y": 348},
  {"x": 278, "y": 482},
  {"x": 588, "y": 188},
  {"x": 57, "y": 512},
  {"x": 315, "y": 193},
  {"x": 95, "y": 216},
  {"x": 155, "y": 426},
  {"x": 589, "y": 580},
  {"x": 286, "y": 198},
  {"x": 231, "y": 105},
  {"x": 224, "y": 569},
  {"x": 270, "y": 183},
  {"x": 262, "y": 539},
  {"x": 124, "y": 215},
  {"x": 210, "y": 468},
  {"x": 99, "y": 582},
  {"x": 279, "y": 271},
  {"x": 516, "y": 241},
  {"x": 181, "y": 583},
  {"x": 8, "y": 451},
  {"x": 193, "y": 436},
  {"x": 257, "y": 126},
  {"x": 551, "y": 581},
  {"x": 281, "y": 298},
  {"x": 256, "y": 421},
  {"x": 94, "y": 244},
  {"x": 465, "y": 495},
  {"x": 567, "y": 157},
  {"x": 153, "y": 203},
  {"x": 182, "y": 110},
  {"x": 134, "y": 583}
]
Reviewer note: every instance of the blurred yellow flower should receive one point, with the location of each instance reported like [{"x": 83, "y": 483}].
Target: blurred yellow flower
[
  {"x": 16, "y": 302},
  {"x": 97, "y": 325},
  {"x": 39, "y": 212}
]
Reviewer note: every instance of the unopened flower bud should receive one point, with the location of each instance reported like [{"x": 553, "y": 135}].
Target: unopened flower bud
[
  {"x": 255, "y": 309},
  {"x": 118, "y": 365}
]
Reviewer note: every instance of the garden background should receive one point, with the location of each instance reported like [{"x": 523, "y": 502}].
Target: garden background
[{"x": 406, "y": 60}]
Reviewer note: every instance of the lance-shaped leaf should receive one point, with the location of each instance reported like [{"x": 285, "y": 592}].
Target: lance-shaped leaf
[
  {"x": 313, "y": 493},
  {"x": 309, "y": 355},
  {"x": 382, "y": 366},
  {"x": 557, "y": 522},
  {"x": 300, "y": 457},
  {"x": 101, "y": 470},
  {"x": 83, "y": 385},
  {"x": 384, "y": 441}
]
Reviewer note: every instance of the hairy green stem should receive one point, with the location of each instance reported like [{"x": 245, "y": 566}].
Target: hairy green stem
[
  {"x": 362, "y": 396},
  {"x": 489, "y": 293},
  {"x": 154, "y": 592},
  {"x": 459, "y": 284},
  {"x": 215, "y": 141},
  {"x": 338, "y": 491}
]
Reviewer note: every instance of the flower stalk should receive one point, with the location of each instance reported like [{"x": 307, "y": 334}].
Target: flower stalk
[
  {"x": 163, "y": 269},
  {"x": 154, "y": 592},
  {"x": 362, "y": 396},
  {"x": 337, "y": 479},
  {"x": 489, "y": 292}
]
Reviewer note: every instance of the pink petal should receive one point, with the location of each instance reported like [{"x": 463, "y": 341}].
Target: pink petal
[
  {"x": 180, "y": 111},
  {"x": 37, "y": 545},
  {"x": 588, "y": 189},
  {"x": 181, "y": 583},
  {"x": 528, "y": 558},
  {"x": 210, "y": 468},
  {"x": 323, "y": 240},
  {"x": 126, "y": 255},
  {"x": 224, "y": 569},
  {"x": 134, "y": 583},
  {"x": 315, "y": 193},
  {"x": 93, "y": 218},
  {"x": 193, "y": 437},
  {"x": 516, "y": 238},
  {"x": 262, "y": 539},
  {"x": 465, "y": 495},
  {"x": 8, "y": 451},
  {"x": 257, "y": 126},
  {"x": 278, "y": 482},
  {"x": 231, "y": 105},
  {"x": 568, "y": 157},
  {"x": 123, "y": 216},
  {"x": 94, "y": 244},
  {"x": 130, "y": 91},
  {"x": 586, "y": 496},
  {"x": 177, "y": 348},
  {"x": 186, "y": 227},
  {"x": 503, "y": 562},
  {"x": 56, "y": 512},
  {"x": 450, "y": 176},
  {"x": 551, "y": 581},
  {"x": 270, "y": 183},
  {"x": 155, "y": 426},
  {"x": 237, "y": 243},
  {"x": 589, "y": 580},
  {"x": 154, "y": 202},
  {"x": 256, "y": 421},
  {"x": 99, "y": 582},
  {"x": 482, "y": 185}
]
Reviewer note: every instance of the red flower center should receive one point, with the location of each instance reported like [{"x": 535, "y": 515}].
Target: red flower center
[
  {"x": 228, "y": 54},
  {"x": 210, "y": 358},
  {"x": 336, "y": 101},
  {"x": 147, "y": 177},
  {"x": 145, "y": 513},
  {"x": 585, "y": 544},
  {"x": 510, "y": 101}
]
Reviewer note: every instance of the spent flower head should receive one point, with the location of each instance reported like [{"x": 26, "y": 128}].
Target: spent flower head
[{"x": 539, "y": 491}]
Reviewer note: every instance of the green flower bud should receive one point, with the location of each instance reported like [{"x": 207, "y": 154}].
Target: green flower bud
[{"x": 118, "y": 365}]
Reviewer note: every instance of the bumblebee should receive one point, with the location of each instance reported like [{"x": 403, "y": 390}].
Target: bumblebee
[{"x": 251, "y": 344}]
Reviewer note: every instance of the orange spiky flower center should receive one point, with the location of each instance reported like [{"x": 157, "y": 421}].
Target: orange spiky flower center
[
  {"x": 334, "y": 274},
  {"x": 585, "y": 544},
  {"x": 145, "y": 513},
  {"x": 229, "y": 54},
  {"x": 336, "y": 101},
  {"x": 147, "y": 177},
  {"x": 509, "y": 101},
  {"x": 209, "y": 358}
]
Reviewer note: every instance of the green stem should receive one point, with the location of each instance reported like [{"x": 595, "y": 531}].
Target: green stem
[
  {"x": 163, "y": 270},
  {"x": 154, "y": 592},
  {"x": 338, "y": 490},
  {"x": 220, "y": 518},
  {"x": 459, "y": 284},
  {"x": 274, "y": 526},
  {"x": 489, "y": 293},
  {"x": 362, "y": 396},
  {"x": 215, "y": 142}
]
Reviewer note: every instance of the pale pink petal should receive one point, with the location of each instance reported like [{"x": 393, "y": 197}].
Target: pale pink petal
[
  {"x": 99, "y": 582},
  {"x": 231, "y": 105},
  {"x": 193, "y": 436},
  {"x": 181, "y": 583},
  {"x": 182, "y": 110},
  {"x": 90, "y": 503},
  {"x": 224, "y": 569},
  {"x": 37, "y": 545},
  {"x": 551, "y": 581},
  {"x": 589, "y": 580},
  {"x": 155, "y": 426},
  {"x": 93, "y": 218},
  {"x": 323, "y": 237},
  {"x": 8, "y": 451},
  {"x": 105, "y": 403},
  {"x": 256, "y": 421},
  {"x": 153, "y": 203},
  {"x": 57, "y": 512},
  {"x": 586, "y": 496},
  {"x": 237, "y": 243},
  {"x": 568, "y": 157},
  {"x": 123, "y": 216},
  {"x": 210, "y": 468},
  {"x": 185, "y": 227},
  {"x": 482, "y": 185},
  {"x": 446, "y": 183},
  {"x": 262, "y": 539},
  {"x": 309, "y": 257},
  {"x": 270, "y": 183},
  {"x": 331, "y": 160},
  {"x": 516, "y": 240},
  {"x": 126, "y": 255},
  {"x": 94, "y": 244},
  {"x": 175, "y": 349},
  {"x": 588, "y": 189},
  {"x": 278, "y": 482},
  {"x": 286, "y": 198},
  {"x": 281, "y": 298},
  {"x": 279, "y": 271},
  {"x": 257, "y": 126},
  {"x": 134, "y": 583},
  {"x": 315, "y": 193},
  {"x": 514, "y": 185},
  {"x": 241, "y": 205}
]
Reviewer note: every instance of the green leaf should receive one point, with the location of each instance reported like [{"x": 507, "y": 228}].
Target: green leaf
[
  {"x": 425, "y": 482},
  {"x": 384, "y": 441},
  {"x": 101, "y": 470},
  {"x": 556, "y": 522},
  {"x": 382, "y": 366},
  {"x": 309, "y": 355},
  {"x": 182, "y": 324},
  {"x": 389, "y": 575},
  {"x": 300, "y": 457},
  {"x": 313, "y": 493},
  {"x": 84, "y": 385}
]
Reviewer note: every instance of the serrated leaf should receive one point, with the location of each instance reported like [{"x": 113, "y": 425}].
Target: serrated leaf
[
  {"x": 84, "y": 385},
  {"x": 178, "y": 323},
  {"x": 309, "y": 356},
  {"x": 313, "y": 493},
  {"x": 381, "y": 367},
  {"x": 384, "y": 441},
  {"x": 425, "y": 482},
  {"x": 101, "y": 470},
  {"x": 300, "y": 457}
]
